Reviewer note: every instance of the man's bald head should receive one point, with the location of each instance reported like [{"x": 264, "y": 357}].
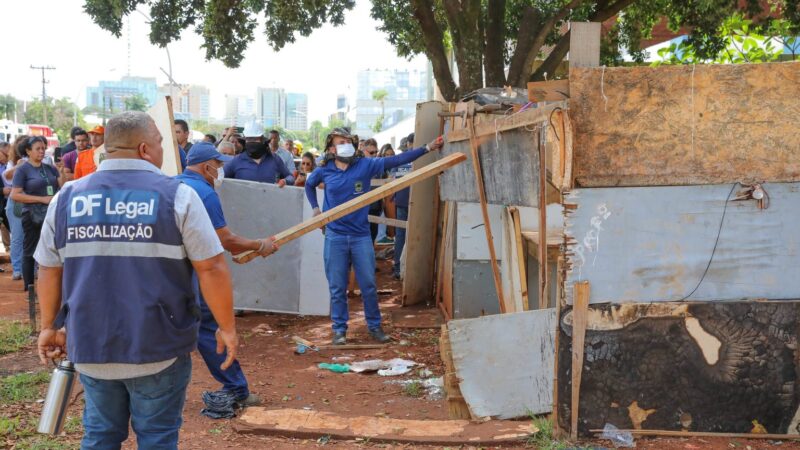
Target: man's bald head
[{"x": 134, "y": 135}]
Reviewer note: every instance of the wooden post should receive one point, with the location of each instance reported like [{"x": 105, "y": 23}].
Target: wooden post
[
  {"x": 580, "y": 309},
  {"x": 584, "y": 44},
  {"x": 523, "y": 273},
  {"x": 487, "y": 227},
  {"x": 359, "y": 202},
  {"x": 543, "y": 301}
]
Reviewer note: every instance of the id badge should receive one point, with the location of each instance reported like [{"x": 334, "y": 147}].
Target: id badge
[{"x": 50, "y": 190}]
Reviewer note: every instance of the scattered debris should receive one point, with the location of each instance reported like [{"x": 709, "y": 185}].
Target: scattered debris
[
  {"x": 338, "y": 368},
  {"x": 617, "y": 437},
  {"x": 434, "y": 387},
  {"x": 262, "y": 330},
  {"x": 376, "y": 365}
]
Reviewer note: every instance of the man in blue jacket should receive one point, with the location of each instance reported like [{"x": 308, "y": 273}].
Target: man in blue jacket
[
  {"x": 258, "y": 162},
  {"x": 347, "y": 175},
  {"x": 204, "y": 173},
  {"x": 121, "y": 246}
]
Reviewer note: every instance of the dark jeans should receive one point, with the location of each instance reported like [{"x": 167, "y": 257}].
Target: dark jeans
[
  {"x": 342, "y": 251},
  {"x": 232, "y": 379},
  {"x": 152, "y": 404},
  {"x": 31, "y": 234},
  {"x": 400, "y": 238}
]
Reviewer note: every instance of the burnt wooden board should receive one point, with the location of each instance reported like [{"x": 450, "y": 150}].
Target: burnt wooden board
[
  {"x": 680, "y": 125},
  {"x": 647, "y": 244},
  {"x": 510, "y": 164},
  {"x": 709, "y": 367}
]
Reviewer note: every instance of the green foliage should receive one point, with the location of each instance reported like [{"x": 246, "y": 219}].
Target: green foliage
[
  {"x": 544, "y": 439},
  {"x": 413, "y": 389},
  {"x": 8, "y": 105},
  {"x": 60, "y": 115},
  {"x": 22, "y": 387},
  {"x": 136, "y": 103},
  {"x": 14, "y": 336},
  {"x": 743, "y": 41}
]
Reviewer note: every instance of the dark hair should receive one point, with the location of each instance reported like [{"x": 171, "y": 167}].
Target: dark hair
[
  {"x": 27, "y": 144},
  {"x": 410, "y": 139},
  {"x": 274, "y": 131},
  {"x": 183, "y": 124},
  {"x": 310, "y": 156},
  {"x": 370, "y": 142},
  {"x": 211, "y": 137},
  {"x": 17, "y": 146},
  {"x": 74, "y": 132},
  {"x": 386, "y": 147},
  {"x": 80, "y": 132}
]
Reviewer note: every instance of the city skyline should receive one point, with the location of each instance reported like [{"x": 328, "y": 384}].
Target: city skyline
[{"x": 93, "y": 54}]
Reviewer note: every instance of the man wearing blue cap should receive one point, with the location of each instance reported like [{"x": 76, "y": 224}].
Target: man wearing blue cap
[{"x": 203, "y": 173}]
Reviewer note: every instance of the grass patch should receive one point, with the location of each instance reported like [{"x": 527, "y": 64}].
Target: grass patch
[
  {"x": 45, "y": 442},
  {"x": 14, "y": 336},
  {"x": 73, "y": 424},
  {"x": 413, "y": 389},
  {"x": 544, "y": 438},
  {"x": 22, "y": 387}
]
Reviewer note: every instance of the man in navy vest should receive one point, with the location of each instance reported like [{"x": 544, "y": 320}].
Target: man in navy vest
[
  {"x": 123, "y": 244},
  {"x": 203, "y": 174}
]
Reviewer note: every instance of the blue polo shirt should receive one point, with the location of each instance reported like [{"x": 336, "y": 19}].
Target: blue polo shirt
[
  {"x": 344, "y": 185},
  {"x": 270, "y": 170},
  {"x": 207, "y": 194},
  {"x": 182, "y": 155}
]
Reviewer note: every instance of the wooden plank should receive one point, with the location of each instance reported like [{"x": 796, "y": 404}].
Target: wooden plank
[
  {"x": 305, "y": 424},
  {"x": 456, "y": 406},
  {"x": 488, "y": 125},
  {"x": 579, "y": 312},
  {"x": 504, "y": 362},
  {"x": 510, "y": 264},
  {"x": 584, "y": 44},
  {"x": 523, "y": 275},
  {"x": 685, "y": 124},
  {"x": 447, "y": 265},
  {"x": 542, "y": 227},
  {"x": 387, "y": 221},
  {"x": 359, "y": 202},
  {"x": 423, "y": 212},
  {"x": 441, "y": 252},
  {"x": 669, "y": 243},
  {"x": 548, "y": 91},
  {"x": 487, "y": 226},
  {"x": 696, "y": 366}
]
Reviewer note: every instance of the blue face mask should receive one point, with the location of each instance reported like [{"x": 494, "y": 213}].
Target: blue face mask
[{"x": 345, "y": 150}]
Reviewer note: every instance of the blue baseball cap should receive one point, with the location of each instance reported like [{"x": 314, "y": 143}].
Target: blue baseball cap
[{"x": 204, "y": 151}]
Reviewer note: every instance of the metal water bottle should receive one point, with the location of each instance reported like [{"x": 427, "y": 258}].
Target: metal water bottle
[{"x": 57, "y": 401}]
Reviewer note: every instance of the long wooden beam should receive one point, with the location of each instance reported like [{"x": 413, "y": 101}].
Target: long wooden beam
[
  {"x": 359, "y": 202},
  {"x": 387, "y": 221},
  {"x": 580, "y": 311},
  {"x": 487, "y": 226}
]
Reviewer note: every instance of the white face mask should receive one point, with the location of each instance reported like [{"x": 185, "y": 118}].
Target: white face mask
[
  {"x": 345, "y": 150},
  {"x": 220, "y": 177}
]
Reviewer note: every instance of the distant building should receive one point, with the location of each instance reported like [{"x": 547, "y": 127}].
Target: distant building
[
  {"x": 111, "y": 95},
  {"x": 296, "y": 112},
  {"x": 239, "y": 108},
  {"x": 189, "y": 102},
  {"x": 277, "y": 108},
  {"x": 406, "y": 88}
]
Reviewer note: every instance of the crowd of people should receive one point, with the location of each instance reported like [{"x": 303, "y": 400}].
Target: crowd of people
[{"x": 131, "y": 276}]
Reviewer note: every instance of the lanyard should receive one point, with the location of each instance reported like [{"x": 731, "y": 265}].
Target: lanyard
[{"x": 43, "y": 173}]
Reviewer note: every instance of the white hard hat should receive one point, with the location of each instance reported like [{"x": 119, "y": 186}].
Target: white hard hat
[{"x": 253, "y": 129}]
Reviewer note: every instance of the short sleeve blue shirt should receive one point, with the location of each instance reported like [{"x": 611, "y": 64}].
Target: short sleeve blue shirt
[{"x": 207, "y": 194}]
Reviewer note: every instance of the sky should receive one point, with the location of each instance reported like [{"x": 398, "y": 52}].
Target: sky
[{"x": 322, "y": 65}]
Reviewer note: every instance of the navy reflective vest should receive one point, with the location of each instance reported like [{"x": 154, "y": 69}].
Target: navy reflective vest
[{"x": 127, "y": 283}]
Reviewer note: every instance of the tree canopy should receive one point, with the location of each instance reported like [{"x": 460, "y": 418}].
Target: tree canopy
[
  {"x": 494, "y": 42},
  {"x": 61, "y": 115}
]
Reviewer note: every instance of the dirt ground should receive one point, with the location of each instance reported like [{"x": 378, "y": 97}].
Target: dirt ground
[{"x": 284, "y": 379}]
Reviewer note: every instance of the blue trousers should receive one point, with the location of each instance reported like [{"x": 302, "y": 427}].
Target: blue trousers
[
  {"x": 342, "y": 251},
  {"x": 399, "y": 238},
  {"x": 232, "y": 378},
  {"x": 153, "y": 404},
  {"x": 16, "y": 237}
]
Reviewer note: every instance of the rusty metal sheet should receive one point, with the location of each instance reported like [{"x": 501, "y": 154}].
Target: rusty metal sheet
[
  {"x": 680, "y": 125},
  {"x": 653, "y": 244}
]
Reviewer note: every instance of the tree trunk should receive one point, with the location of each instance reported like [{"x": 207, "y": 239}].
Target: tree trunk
[
  {"x": 464, "y": 18},
  {"x": 528, "y": 26},
  {"x": 434, "y": 48},
  {"x": 552, "y": 61},
  {"x": 495, "y": 41}
]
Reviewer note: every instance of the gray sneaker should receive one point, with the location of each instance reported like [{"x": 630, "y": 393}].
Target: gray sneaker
[
  {"x": 378, "y": 335},
  {"x": 339, "y": 338}
]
